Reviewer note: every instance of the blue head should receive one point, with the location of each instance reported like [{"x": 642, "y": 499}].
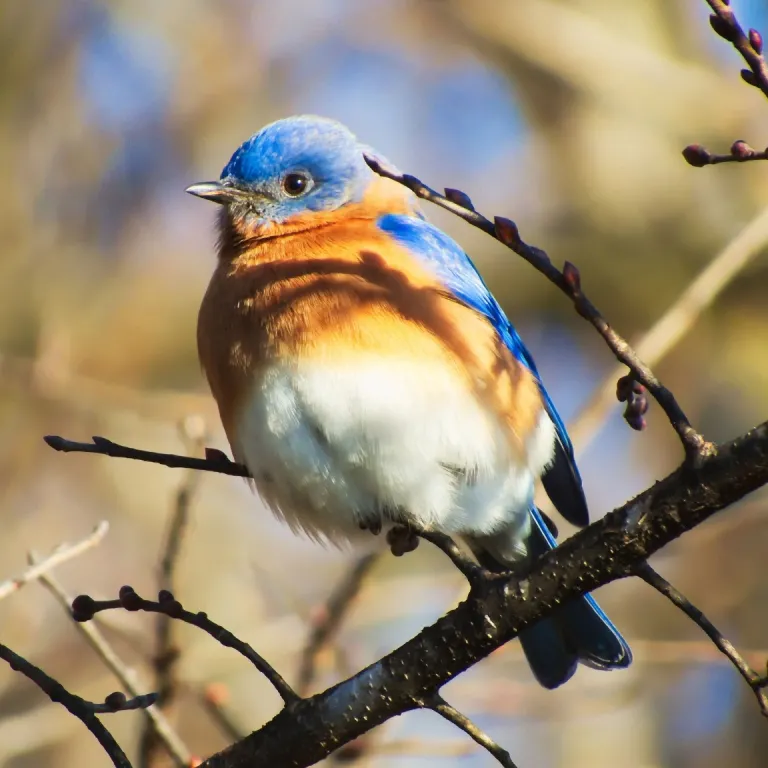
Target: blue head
[{"x": 290, "y": 167}]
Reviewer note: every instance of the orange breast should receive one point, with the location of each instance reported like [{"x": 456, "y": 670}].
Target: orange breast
[{"x": 341, "y": 290}]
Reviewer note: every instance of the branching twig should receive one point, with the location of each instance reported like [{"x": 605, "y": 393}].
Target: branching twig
[
  {"x": 473, "y": 572},
  {"x": 94, "y": 637},
  {"x": 452, "y": 715},
  {"x": 569, "y": 282},
  {"x": 725, "y": 24},
  {"x": 758, "y": 683},
  {"x": 215, "y": 461},
  {"x": 84, "y": 608},
  {"x": 672, "y": 326},
  {"x": 60, "y": 555},
  {"x": 750, "y": 46},
  {"x": 83, "y": 710},
  {"x": 740, "y": 152},
  {"x": 334, "y": 610}
]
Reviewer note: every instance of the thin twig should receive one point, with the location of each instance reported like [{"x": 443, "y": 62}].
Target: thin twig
[
  {"x": 193, "y": 433},
  {"x": 750, "y": 46},
  {"x": 84, "y": 608},
  {"x": 215, "y": 461},
  {"x": 758, "y": 683},
  {"x": 740, "y": 152},
  {"x": 452, "y": 715},
  {"x": 673, "y": 325},
  {"x": 473, "y": 572},
  {"x": 60, "y": 555},
  {"x": 725, "y": 24},
  {"x": 569, "y": 282},
  {"x": 333, "y": 613},
  {"x": 83, "y": 710},
  {"x": 125, "y": 675}
]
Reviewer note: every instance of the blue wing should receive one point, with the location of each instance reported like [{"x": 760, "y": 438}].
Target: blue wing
[{"x": 446, "y": 259}]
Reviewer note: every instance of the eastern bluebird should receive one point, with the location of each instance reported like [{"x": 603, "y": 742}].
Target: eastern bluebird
[{"x": 367, "y": 377}]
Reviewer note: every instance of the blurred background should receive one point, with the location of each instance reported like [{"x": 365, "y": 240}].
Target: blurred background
[{"x": 568, "y": 116}]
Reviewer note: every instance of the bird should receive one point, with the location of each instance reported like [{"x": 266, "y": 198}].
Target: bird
[{"x": 368, "y": 379}]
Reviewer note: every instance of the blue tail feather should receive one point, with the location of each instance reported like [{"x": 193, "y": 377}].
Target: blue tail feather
[{"x": 578, "y": 632}]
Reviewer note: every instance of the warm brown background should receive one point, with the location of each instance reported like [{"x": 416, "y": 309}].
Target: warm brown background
[{"x": 567, "y": 116}]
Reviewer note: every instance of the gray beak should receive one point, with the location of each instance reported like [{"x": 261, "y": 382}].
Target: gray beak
[{"x": 216, "y": 192}]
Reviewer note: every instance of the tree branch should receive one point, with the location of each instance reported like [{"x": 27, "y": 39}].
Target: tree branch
[
  {"x": 609, "y": 549},
  {"x": 83, "y": 710},
  {"x": 675, "y": 323},
  {"x": 758, "y": 683},
  {"x": 740, "y": 152},
  {"x": 171, "y": 741},
  {"x": 61, "y": 554},
  {"x": 569, "y": 282},
  {"x": 444, "y": 709},
  {"x": 725, "y": 24},
  {"x": 84, "y": 608},
  {"x": 215, "y": 461}
]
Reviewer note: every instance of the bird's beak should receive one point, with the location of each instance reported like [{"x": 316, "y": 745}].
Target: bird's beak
[{"x": 216, "y": 192}]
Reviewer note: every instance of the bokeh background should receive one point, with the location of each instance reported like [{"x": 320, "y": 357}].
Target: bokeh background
[{"x": 568, "y": 116}]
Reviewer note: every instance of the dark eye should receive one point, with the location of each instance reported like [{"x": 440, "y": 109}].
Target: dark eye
[{"x": 296, "y": 184}]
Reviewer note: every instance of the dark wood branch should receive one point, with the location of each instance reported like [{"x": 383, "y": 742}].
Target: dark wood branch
[
  {"x": 741, "y": 152},
  {"x": 758, "y": 683},
  {"x": 84, "y": 608},
  {"x": 83, "y": 710},
  {"x": 611, "y": 548},
  {"x": 172, "y": 742},
  {"x": 452, "y": 715},
  {"x": 749, "y": 46},
  {"x": 569, "y": 282},
  {"x": 215, "y": 461}
]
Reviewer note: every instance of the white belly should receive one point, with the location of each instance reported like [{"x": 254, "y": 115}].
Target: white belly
[{"x": 331, "y": 447}]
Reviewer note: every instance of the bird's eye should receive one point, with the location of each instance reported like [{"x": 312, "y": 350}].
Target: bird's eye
[{"x": 296, "y": 184}]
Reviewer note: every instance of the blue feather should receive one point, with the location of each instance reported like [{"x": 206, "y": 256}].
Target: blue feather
[
  {"x": 458, "y": 274},
  {"x": 587, "y": 632}
]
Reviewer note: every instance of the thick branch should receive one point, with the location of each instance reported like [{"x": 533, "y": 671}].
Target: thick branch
[{"x": 609, "y": 549}]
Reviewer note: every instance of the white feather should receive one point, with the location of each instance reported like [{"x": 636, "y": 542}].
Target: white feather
[{"x": 333, "y": 445}]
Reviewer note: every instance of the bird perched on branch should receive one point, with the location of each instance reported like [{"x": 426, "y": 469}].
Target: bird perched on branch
[{"x": 367, "y": 377}]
